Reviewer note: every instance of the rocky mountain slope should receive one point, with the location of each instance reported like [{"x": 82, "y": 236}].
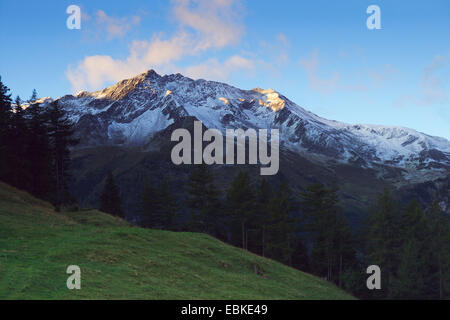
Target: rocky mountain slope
[
  {"x": 126, "y": 128},
  {"x": 132, "y": 111}
]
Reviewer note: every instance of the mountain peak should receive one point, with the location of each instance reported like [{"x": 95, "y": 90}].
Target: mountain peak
[
  {"x": 270, "y": 99},
  {"x": 263, "y": 91},
  {"x": 133, "y": 110},
  {"x": 149, "y": 74},
  {"x": 122, "y": 88}
]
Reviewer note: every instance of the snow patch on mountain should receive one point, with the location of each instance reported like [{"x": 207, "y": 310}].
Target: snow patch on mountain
[{"x": 139, "y": 130}]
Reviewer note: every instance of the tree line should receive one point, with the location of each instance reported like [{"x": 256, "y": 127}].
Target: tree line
[
  {"x": 35, "y": 147},
  {"x": 412, "y": 246},
  {"x": 310, "y": 232}
]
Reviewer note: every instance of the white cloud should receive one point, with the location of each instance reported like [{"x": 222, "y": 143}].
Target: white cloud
[
  {"x": 322, "y": 85},
  {"x": 283, "y": 40},
  {"x": 433, "y": 90},
  {"x": 326, "y": 86},
  {"x": 94, "y": 71},
  {"x": 212, "y": 69},
  {"x": 432, "y": 87},
  {"x": 380, "y": 77},
  {"x": 203, "y": 25},
  {"x": 115, "y": 27},
  {"x": 213, "y": 20}
]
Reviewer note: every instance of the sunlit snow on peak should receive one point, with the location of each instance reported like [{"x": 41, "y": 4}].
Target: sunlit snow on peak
[
  {"x": 270, "y": 99},
  {"x": 224, "y": 100}
]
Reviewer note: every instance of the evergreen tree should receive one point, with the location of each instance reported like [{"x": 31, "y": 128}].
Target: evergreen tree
[
  {"x": 34, "y": 148},
  {"x": 333, "y": 253},
  {"x": 61, "y": 131},
  {"x": 318, "y": 207},
  {"x": 5, "y": 117},
  {"x": 5, "y": 104},
  {"x": 39, "y": 153},
  {"x": 300, "y": 258},
  {"x": 34, "y": 96},
  {"x": 263, "y": 196},
  {"x": 203, "y": 202},
  {"x": 18, "y": 105},
  {"x": 18, "y": 160},
  {"x": 166, "y": 208},
  {"x": 412, "y": 224},
  {"x": 281, "y": 227},
  {"x": 241, "y": 208},
  {"x": 408, "y": 282},
  {"x": 110, "y": 197},
  {"x": 345, "y": 256},
  {"x": 149, "y": 203},
  {"x": 438, "y": 277},
  {"x": 382, "y": 241},
  {"x": 413, "y": 251},
  {"x": 411, "y": 247}
]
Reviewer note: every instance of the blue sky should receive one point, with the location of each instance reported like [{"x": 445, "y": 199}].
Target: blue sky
[{"x": 320, "y": 54}]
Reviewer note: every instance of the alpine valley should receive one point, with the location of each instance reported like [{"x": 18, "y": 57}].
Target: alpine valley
[{"x": 126, "y": 128}]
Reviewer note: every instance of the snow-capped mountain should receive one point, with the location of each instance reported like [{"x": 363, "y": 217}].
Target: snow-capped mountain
[{"x": 133, "y": 110}]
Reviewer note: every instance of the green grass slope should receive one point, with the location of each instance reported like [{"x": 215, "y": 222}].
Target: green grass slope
[{"x": 120, "y": 261}]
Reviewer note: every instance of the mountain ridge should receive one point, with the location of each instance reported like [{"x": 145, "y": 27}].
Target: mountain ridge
[{"x": 133, "y": 110}]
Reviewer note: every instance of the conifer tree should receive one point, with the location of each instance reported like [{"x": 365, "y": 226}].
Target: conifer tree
[
  {"x": 241, "y": 208},
  {"x": 281, "y": 227},
  {"x": 18, "y": 156},
  {"x": 34, "y": 96},
  {"x": 35, "y": 148},
  {"x": 5, "y": 116},
  {"x": 300, "y": 259},
  {"x": 165, "y": 216},
  {"x": 149, "y": 203},
  {"x": 110, "y": 197},
  {"x": 333, "y": 253},
  {"x": 61, "y": 130},
  {"x": 408, "y": 282},
  {"x": 345, "y": 257},
  {"x": 413, "y": 250},
  {"x": 39, "y": 153},
  {"x": 412, "y": 224},
  {"x": 382, "y": 241},
  {"x": 318, "y": 207},
  {"x": 203, "y": 202},
  {"x": 5, "y": 105},
  {"x": 18, "y": 105},
  {"x": 438, "y": 278},
  {"x": 263, "y": 196}
]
